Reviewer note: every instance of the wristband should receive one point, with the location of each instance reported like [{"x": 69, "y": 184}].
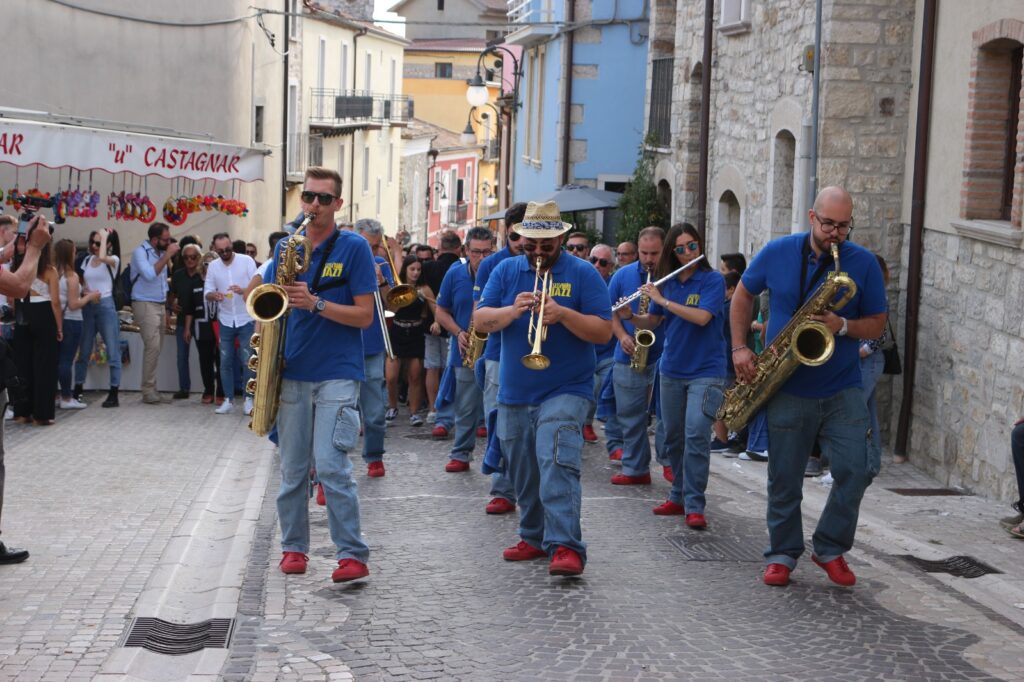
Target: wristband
[
  {"x": 738, "y": 348},
  {"x": 842, "y": 330}
]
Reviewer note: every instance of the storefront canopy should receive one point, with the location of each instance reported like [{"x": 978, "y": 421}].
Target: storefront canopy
[{"x": 58, "y": 145}]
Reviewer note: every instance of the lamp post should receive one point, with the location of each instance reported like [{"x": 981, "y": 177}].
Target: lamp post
[{"x": 478, "y": 95}]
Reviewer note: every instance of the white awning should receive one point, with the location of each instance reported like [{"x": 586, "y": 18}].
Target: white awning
[{"x": 57, "y": 145}]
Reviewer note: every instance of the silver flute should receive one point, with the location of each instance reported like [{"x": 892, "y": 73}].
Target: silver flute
[{"x": 623, "y": 302}]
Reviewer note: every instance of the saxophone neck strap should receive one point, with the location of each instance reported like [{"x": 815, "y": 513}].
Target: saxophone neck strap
[
  {"x": 823, "y": 263},
  {"x": 314, "y": 288}
]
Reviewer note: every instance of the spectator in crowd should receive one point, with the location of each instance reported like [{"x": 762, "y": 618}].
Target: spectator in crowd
[
  {"x": 625, "y": 253},
  {"x": 601, "y": 259},
  {"x": 424, "y": 252},
  {"x": 149, "y": 298},
  {"x": 238, "y": 246},
  {"x": 71, "y": 303},
  {"x": 408, "y": 333},
  {"x": 226, "y": 282},
  {"x": 183, "y": 282},
  {"x": 436, "y": 348},
  {"x": 37, "y": 336},
  {"x": 251, "y": 252},
  {"x": 201, "y": 323},
  {"x": 578, "y": 244},
  {"x": 98, "y": 272}
]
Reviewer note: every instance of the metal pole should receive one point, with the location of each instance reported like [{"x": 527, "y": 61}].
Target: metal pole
[
  {"x": 705, "y": 119},
  {"x": 812, "y": 179}
]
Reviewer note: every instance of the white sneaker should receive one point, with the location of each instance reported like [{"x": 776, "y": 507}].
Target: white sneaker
[
  {"x": 247, "y": 407},
  {"x": 8, "y": 415},
  {"x": 431, "y": 417},
  {"x": 71, "y": 405},
  {"x": 225, "y": 408}
]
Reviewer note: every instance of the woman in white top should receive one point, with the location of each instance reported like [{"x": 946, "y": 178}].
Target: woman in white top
[
  {"x": 71, "y": 304},
  {"x": 36, "y": 338},
  {"x": 99, "y": 271}
]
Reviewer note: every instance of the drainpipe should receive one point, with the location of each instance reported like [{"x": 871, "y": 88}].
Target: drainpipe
[
  {"x": 917, "y": 200},
  {"x": 284, "y": 119},
  {"x": 806, "y": 166},
  {"x": 705, "y": 120},
  {"x": 352, "y": 159},
  {"x": 570, "y": 19},
  {"x": 812, "y": 179}
]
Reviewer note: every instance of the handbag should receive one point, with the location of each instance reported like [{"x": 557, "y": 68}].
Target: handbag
[{"x": 891, "y": 354}]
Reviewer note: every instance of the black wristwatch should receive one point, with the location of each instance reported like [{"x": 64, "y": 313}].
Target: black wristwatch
[{"x": 320, "y": 306}]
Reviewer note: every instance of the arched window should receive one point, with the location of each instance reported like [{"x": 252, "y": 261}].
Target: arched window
[
  {"x": 783, "y": 168},
  {"x": 728, "y": 223}
]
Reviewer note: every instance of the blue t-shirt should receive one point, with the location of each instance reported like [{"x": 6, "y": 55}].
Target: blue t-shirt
[
  {"x": 606, "y": 351},
  {"x": 575, "y": 284},
  {"x": 373, "y": 337},
  {"x": 492, "y": 351},
  {"x": 456, "y": 296},
  {"x": 777, "y": 268},
  {"x": 317, "y": 349},
  {"x": 624, "y": 282},
  {"x": 693, "y": 351}
]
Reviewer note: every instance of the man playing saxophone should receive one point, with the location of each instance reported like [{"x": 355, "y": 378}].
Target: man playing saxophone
[
  {"x": 453, "y": 311},
  {"x": 821, "y": 403},
  {"x": 318, "y": 423}
]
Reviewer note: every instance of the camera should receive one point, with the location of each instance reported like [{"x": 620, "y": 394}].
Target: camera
[{"x": 31, "y": 204}]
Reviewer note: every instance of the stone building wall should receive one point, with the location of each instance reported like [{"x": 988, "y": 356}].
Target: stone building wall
[{"x": 409, "y": 198}]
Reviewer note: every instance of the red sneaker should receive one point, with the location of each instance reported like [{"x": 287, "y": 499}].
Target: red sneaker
[
  {"x": 439, "y": 432},
  {"x": 320, "y": 499},
  {"x": 776, "y": 575},
  {"x": 481, "y": 432},
  {"x": 669, "y": 508},
  {"x": 623, "y": 479},
  {"x": 375, "y": 469},
  {"x": 667, "y": 473},
  {"x": 207, "y": 399},
  {"x": 293, "y": 562},
  {"x": 523, "y": 551},
  {"x": 565, "y": 562},
  {"x": 349, "y": 569},
  {"x": 616, "y": 456},
  {"x": 696, "y": 521},
  {"x": 499, "y": 505},
  {"x": 589, "y": 435},
  {"x": 838, "y": 571},
  {"x": 455, "y": 466}
]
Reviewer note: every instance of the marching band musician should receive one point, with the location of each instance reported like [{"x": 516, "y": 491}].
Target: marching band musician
[
  {"x": 453, "y": 311},
  {"x": 823, "y": 403},
  {"x": 633, "y": 388},
  {"x": 541, "y": 411},
  {"x": 317, "y": 421},
  {"x": 692, "y": 367},
  {"x": 503, "y": 495}
]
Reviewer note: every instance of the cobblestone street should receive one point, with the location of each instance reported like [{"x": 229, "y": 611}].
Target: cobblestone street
[{"x": 98, "y": 497}]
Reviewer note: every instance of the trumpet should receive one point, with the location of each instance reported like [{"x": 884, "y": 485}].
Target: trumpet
[
  {"x": 400, "y": 295},
  {"x": 537, "y": 331},
  {"x": 623, "y": 302}
]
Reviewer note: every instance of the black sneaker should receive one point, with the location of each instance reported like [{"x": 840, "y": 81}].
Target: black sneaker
[
  {"x": 180, "y": 395},
  {"x": 813, "y": 468},
  {"x": 718, "y": 446},
  {"x": 10, "y": 555}
]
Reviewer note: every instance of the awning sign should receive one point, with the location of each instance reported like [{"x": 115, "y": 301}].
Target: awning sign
[{"x": 54, "y": 145}]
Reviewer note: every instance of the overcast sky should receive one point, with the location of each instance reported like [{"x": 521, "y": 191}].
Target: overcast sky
[{"x": 380, "y": 12}]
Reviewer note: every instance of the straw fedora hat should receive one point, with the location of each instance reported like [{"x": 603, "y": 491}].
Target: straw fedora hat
[{"x": 542, "y": 221}]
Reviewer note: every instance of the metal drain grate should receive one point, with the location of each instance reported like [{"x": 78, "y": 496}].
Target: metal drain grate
[
  {"x": 177, "y": 639},
  {"x": 959, "y": 566},
  {"x": 927, "y": 492},
  {"x": 705, "y": 547}
]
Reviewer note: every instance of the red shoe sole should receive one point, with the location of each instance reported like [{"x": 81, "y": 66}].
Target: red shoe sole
[
  {"x": 346, "y": 578},
  {"x": 622, "y": 479}
]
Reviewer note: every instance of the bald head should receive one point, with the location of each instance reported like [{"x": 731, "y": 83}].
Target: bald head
[{"x": 832, "y": 197}]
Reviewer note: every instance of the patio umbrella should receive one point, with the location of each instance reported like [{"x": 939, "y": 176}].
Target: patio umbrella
[
  {"x": 573, "y": 198},
  {"x": 500, "y": 215}
]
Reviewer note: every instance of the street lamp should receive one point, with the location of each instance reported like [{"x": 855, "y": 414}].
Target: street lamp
[{"x": 477, "y": 94}]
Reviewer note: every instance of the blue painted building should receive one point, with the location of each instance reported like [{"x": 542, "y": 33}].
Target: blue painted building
[{"x": 609, "y": 71}]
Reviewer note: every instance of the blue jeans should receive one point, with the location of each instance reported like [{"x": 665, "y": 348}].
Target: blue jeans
[
  {"x": 228, "y": 356},
  {"x": 599, "y": 373},
  {"x": 840, "y": 424},
  {"x": 501, "y": 484},
  {"x": 372, "y": 403},
  {"x": 543, "y": 445},
  {"x": 66, "y": 355},
  {"x": 100, "y": 317},
  {"x": 318, "y": 424},
  {"x": 632, "y": 391},
  {"x": 757, "y": 432},
  {"x": 1017, "y": 450},
  {"x": 468, "y": 409},
  {"x": 184, "y": 376},
  {"x": 870, "y": 372},
  {"x": 688, "y": 408}
]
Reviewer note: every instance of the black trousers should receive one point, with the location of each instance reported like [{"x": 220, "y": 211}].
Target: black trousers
[
  {"x": 209, "y": 365},
  {"x": 35, "y": 353}
]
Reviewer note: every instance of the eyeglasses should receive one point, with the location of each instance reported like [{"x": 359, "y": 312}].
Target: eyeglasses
[
  {"x": 94, "y": 243},
  {"x": 689, "y": 246},
  {"x": 828, "y": 225},
  {"x": 624, "y": 254},
  {"x": 603, "y": 262},
  {"x": 480, "y": 252},
  {"x": 576, "y": 247},
  {"x": 192, "y": 257},
  {"x": 323, "y": 197}
]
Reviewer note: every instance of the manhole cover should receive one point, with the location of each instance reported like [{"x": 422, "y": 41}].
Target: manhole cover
[
  {"x": 176, "y": 639},
  {"x": 926, "y": 492},
  {"x": 959, "y": 566},
  {"x": 706, "y": 547}
]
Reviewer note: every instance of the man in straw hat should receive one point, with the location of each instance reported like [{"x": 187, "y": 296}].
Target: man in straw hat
[{"x": 541, "y": 411}]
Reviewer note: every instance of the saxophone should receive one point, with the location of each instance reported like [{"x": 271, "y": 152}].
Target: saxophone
[
  {"x": 477, "y": 341},
  {"x": 268, "y": 305},
  {"x": 643, "y": 339},
  {"x": 802, "y": 341}
]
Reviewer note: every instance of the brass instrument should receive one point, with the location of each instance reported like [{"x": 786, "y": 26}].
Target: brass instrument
[
  {"x": 268, "y": 305},
  {"x": 382, "y": 320},
  {"x": 802, "y": 341},
  {"x": 643, "y": 339},
  {"x": 399, "y": 295},
  {"x": 477, "y": 341},
  {"x": 538, "y": 331},
  {"x": 626, "y": 300}
]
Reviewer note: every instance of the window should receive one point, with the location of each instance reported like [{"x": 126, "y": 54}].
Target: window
[
  {"x": 368, "y": 72},
  {"x": 393, "y": 79},
  {"x": 341, "y": 161},
  {"x": 294, "y": 9},
  {"x": 294, "y": 150},
  {"x": 378, "y": 197},
  {"x": 443, "y": 70},
  {"x": 735, "y": 17},
  {"x": 783, "y": 183},
  {"x": 435, "y": 192},
  {"x": 316, "y": 150},
  {"x": 539, "y": 82},
  {"x": 366, "y": 169},
  {"x": 440, "y": 5},
  {"x": 391, "y": 164},
  {"x": 659, "y": 120},
  {"x": 321, "y": 68},
  {"x": 343, "y": 66},
  {"x": 257, "y": 124}
]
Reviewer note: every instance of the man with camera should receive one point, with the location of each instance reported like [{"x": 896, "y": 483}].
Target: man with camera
[{"x": 16, "y": 285}]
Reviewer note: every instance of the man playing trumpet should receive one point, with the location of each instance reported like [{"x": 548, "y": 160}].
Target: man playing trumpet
[{"x": 561, "y": 302}]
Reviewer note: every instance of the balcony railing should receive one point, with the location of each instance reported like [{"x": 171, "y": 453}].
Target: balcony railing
[
  {"x": 659, "y": 122},
  {"x": 530, "y": 11},
  {"x": 457, "y": 214},
  {"x": 357, "y": 108}
]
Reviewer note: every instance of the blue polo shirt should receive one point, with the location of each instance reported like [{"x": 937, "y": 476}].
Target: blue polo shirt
[
  {"x": 624, "y": 282},
  {"x": 606, "y": 351},
  {"x": 456, "y": 296},
  {"x": 777, "y": 267},
  {"x": 373, "y": 338},
  {"x": 492, "y": 351},
  {"x": 317, "y": 349},
  {"x": 692, "y": 351},
  {"x": 575, "y": 284}
]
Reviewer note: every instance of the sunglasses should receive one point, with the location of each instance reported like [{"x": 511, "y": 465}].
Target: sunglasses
[
  {"x": 94, "y": 243},
  {"x": 603, "y": 262},
  {"x": 576, "y": 247},
  {"x": 514, "y": 236},
  {"x": 323, "y": 197},
  {"x": 691, "y": 246},
  {"x": 223, "y": 251},
  {"x": 192, "y": 257}
]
